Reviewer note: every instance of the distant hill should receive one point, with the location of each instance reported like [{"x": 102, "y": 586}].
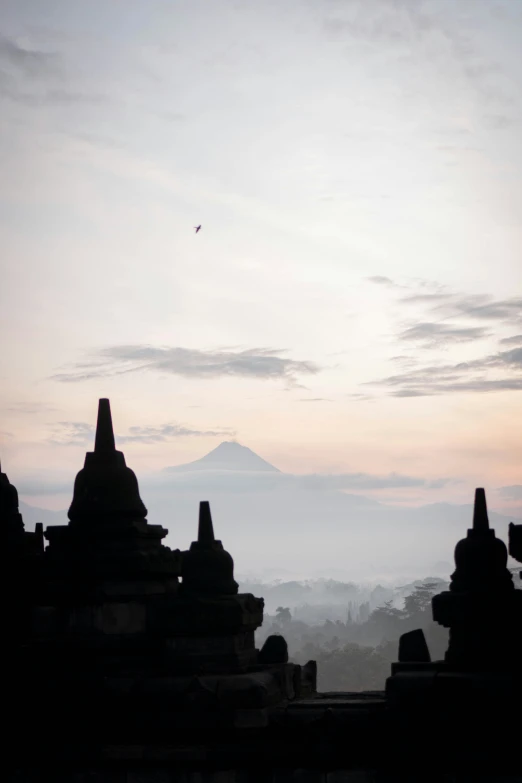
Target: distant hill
[
  {"x": 277, "y": 524},
  {"x": 31, "y": 515},
  {"x": 230, "y": 456}
]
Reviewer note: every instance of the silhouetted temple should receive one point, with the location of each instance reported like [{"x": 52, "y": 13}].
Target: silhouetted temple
[{"x": 128, "y": 662}]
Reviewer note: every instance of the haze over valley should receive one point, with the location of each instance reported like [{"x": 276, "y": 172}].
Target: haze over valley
[{"x": 281, "y": 526}]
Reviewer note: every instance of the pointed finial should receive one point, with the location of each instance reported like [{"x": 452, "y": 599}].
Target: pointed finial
[
  {"x": 480, "y": 511},
  {"x": 104, "y": 441},
  {"x": 205, "y": 528}
]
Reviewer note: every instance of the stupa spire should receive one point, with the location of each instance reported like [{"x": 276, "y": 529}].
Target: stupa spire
[
  {"x": 106, "y": 487},
  {"x": 104, "y": 440},
  {"x": 11, "y": 522},
  {"x": 205, "y": 527},
  {"x": 480, "y": 511},
  {"x": 207, "y": 567}
]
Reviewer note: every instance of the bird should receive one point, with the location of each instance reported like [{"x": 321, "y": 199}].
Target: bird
[{"x": 197, "y": 228}]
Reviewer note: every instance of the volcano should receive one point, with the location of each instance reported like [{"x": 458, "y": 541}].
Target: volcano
[{"x": 229, "y": 455}]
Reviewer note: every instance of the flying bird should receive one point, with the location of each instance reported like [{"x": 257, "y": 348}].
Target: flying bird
[{"x": 197, "y": 228}]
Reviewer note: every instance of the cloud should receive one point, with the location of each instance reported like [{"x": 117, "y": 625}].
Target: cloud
[
  {"x": 381, "y": 280},
  {"x": 501, "y": 371},
  {"x": 169, "y": 431},
  {"x": 512, "y": 492},
  {"x": 41, "y": 486},
  {"x": 71, "y": 433},
  {"x": 314, "y": 399},
  {"x": 28, "y": 61},
  {"x": 441, "y": 304},
  {"x": 515, "y": 340},
  {"x": 425, "y": 298},
  {"x": 78, "y": 433},
  {"x": 34, "y": 77},
  {"x": 66, "y": 97},
  {"x": 434, "y": 334},
  {"x": 431, "y": 34},
  {"x": 406, "y": 361},
  {"x": 365, "y": 481},
  {"x": 462, "y": 377},
  {"x": 30, "y": 408},
  {"x": 420, "y": 290},
  {"x": 261, "y": 481},
  {"x": 484, "y": 307},
  {"x": 452, "y": 304},
  {"x": 380, "y": 24},
  {"x": 261, "y": 363}
]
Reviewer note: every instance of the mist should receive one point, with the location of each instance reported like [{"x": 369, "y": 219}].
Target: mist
[{"x": 280, "y": 526}]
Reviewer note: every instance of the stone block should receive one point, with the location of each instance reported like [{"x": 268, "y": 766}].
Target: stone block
[
  {"x": 251, "y": 719},
  {"x": 350, "y": 776},
  {"x": 206, "y": 615},
  {"x": 46, "y": 620},
  {"x": 249, "y": 691},
  {"x": 121, "y": 618},
  {"x": 146, "y": 587},
  {"x": 308, "y": 776},
  {"x": 149, "y": 774},
  {"x": 212, "y": 645}
]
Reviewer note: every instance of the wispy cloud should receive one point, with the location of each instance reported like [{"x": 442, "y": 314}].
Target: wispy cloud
[
  {"x": 484, "y": 308},
  {"x": 512, "y": 492},
  {"x": 28, "y": 408},
  {"x": 262, "y": 363},
  {"x": 71, "y": 433},
  {"x": 454, "y": 318},
  {"x": 444, "y": 303},
  {"x": 78, "y": 433},
  {"x": 359, "y": 396},
  {"x": 314, "y": 399},
  {"x": 381, "y": 280},
  {"x": 34, "y": 486},
  {"x": 34, "y": 77},
  {"x": 473, "y": 376},
  {"x": 364, "y": 481},
  {"x": 28, "y": 61},
  {"x": 168, "y": 432},
  {"x": 433, "y": 335},
  {"x": 246, "y": 481},
  {"x": 423, "y": 298},
  {"x": 394, "y": 26},
  {"x": 515, "y": 340}
]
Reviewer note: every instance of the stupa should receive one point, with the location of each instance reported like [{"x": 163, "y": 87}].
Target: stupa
[
  {"x": 481, "y": 673},
  {"x": 132, "y": 662},
  {"x": 126, "y": 648},
  {"x": 15, "y": 542}
]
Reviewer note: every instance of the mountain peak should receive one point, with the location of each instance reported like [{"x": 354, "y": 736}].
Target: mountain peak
[{"x": 229, "y": 455}]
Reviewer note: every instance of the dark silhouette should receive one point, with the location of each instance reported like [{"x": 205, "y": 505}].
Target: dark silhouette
[
  {"x": 197, "y": 228},
  {"x": 128, "y": 660},
  {"x": 515, "y": 542},
  {"x": 274, "y": 650}
]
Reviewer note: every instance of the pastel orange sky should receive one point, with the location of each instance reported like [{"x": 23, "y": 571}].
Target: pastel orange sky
[{"x": 353, "y": 302}]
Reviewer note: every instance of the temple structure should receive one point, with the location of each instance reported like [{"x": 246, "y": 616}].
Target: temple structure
[{"x": 132, "y": 662}]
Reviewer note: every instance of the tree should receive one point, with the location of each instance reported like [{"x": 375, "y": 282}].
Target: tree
[
  {"x": 283, "y": 615},
  {"x": 351, "y": 668},
  {"x": 417, "y": 606},
  {"x": 387, "y": 621}
]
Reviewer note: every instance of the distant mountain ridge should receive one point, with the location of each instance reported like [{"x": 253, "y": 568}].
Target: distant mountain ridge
[
  {"x": 32, "y": 514},
  {"x": 280, "y": 523},
  {"x": 229, "y": 455}
]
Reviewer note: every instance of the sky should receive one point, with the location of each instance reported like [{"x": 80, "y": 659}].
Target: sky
[{"x": 353, "y": 301}]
